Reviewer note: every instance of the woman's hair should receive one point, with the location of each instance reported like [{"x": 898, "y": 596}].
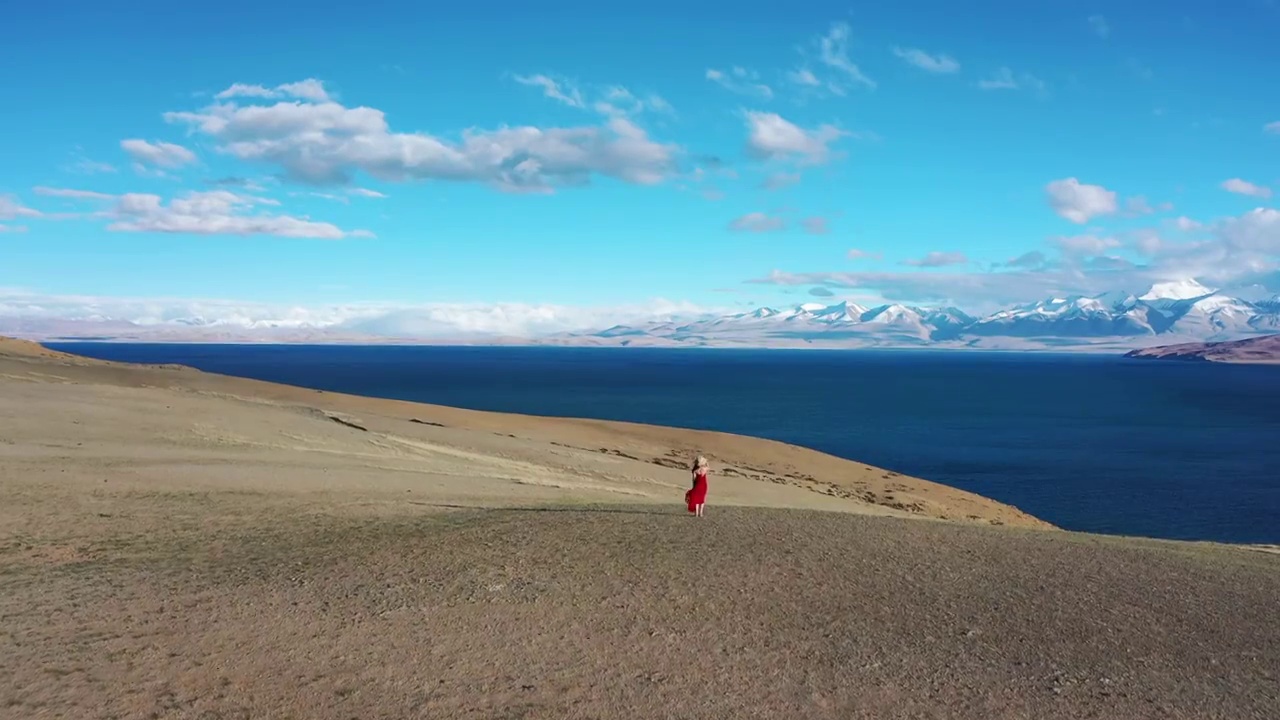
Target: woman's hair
[{"x": 700, "y": 462}]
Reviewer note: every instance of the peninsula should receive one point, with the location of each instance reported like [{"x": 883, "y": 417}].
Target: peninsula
[{"x": 1259, "y": 350}]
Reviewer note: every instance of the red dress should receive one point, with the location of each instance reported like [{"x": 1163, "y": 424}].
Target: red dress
[{"x": 697, "y": 495}]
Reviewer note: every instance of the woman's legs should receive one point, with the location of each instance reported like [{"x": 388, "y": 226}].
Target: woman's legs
[{"x": 700, "y": 509}]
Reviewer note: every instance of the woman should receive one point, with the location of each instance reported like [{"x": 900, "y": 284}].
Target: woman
[{"x": 697, "y": 495}]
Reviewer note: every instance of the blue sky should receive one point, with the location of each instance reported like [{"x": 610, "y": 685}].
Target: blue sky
[{"x": 577, "y": 158}]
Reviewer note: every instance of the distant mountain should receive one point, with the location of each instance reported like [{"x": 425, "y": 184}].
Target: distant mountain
[
  {"x": 1265, "y": 349},
  {"x": 1179, "y": 311},
  {"x": 1163, "y": 314}
]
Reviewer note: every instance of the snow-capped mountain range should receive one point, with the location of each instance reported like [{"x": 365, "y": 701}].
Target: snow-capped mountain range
[{"x": 1166, "y": 312}]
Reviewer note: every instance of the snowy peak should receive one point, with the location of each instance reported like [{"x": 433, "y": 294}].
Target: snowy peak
[
  {"x": 1176, "y": 290},
  {"x": 892, "y": 314},
  {"x": 840, "y": 312}
]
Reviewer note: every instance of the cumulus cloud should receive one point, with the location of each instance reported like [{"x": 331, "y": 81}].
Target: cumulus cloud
[
  {"x": 1244, "y": 187},
  {"x": 365, "y": 192},
  {"x": 218, "y": 212},
  {"x": 939, "y": 64},
  {"x": 821, "y": 292},
  {"x": 771, "y": 136},
  {"x": 858, "y": 254},
  {"x": 11, "y": 209},
  {"x": 741, "y": 81},
  {"x": 1005, "y": 79},
  {"x": 1255, "y": 231},
  {"x": 1078, "y": 202},
  {"x": 938, "y": 259},
  {"x": 12, "y": 228},
  {"x": 327, "y": 143},
  {"x": 158, "y": 154},
  {"x": 1083, "y": 245},
  {"x": 309, "y": 89},
  {"x": 815, "y": 225},
  {"x": 173, "y": 317},
  {"x": 1186, "y": 224},
  {"x": 757, "y": 222},
  {"x": 1272, "y": 127},
  {"x": 1099, "y": 25}
]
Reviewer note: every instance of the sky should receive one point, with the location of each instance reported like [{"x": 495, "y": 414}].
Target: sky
[{"x": 521, "y": 169}]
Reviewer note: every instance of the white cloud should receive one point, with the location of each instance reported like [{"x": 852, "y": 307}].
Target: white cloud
[
  {"x": 1237, "y": 251},
  {"x": 816, "y": 225},
  {"x": 1273, "y": 128},
  {"x": 1256, "y": 231},
  {"x": 612, "y": 101},
  {"x": 12, "y": 228},
  {"x": 1077, "y": 202},
  {"x": 1243, "y": 187},
  {"x": 857, "y": 254},
  {"x": 1148, "y": 242},
  {"x": 309, "y": 89},
  {"x": 938, "y": 259},
  {"x": 73, "y": 194},
  {"x": 365, "y": 192},
  {"x": 173, "y": 317},
  {"x": 11, "y": 209},
  {"x": 740, "y": 80},
  {"x": 559, "y": 90},
  {"x": 85, "y": 166},
  {"x": 160, "y": 154},
  {"x": 1099, "y": 25},
  {"x": 217, "y": 212},
  {"x": 1186, "y": 224},
  {"x": 780, "y": 180},
  {"x": 1083, "y": 245},
  {"x": 620, "y": 102},
  {"x": 834, "y": 53},
  {"x": 1004, "y": 79},
  {"x": 1029, "y": 260},
  {"x": 805, "y": 77},
  {"x": 772, "y": 136},
  {"x": 327, "y": 143},
  {"x": 757, "y": 222},
  {"x": 940, "y": 64}
]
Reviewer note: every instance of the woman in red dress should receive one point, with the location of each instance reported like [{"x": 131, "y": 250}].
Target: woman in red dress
[{"x": 697, "y": 495}]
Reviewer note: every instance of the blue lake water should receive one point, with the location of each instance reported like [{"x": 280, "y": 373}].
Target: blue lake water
[{"x": 1100, "y": 444}]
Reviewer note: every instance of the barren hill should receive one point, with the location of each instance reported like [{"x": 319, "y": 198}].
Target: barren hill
[{"x": 175, "y": 544}]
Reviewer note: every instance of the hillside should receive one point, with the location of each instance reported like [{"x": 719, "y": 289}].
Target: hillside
[{"x": 175, "y": 544}]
